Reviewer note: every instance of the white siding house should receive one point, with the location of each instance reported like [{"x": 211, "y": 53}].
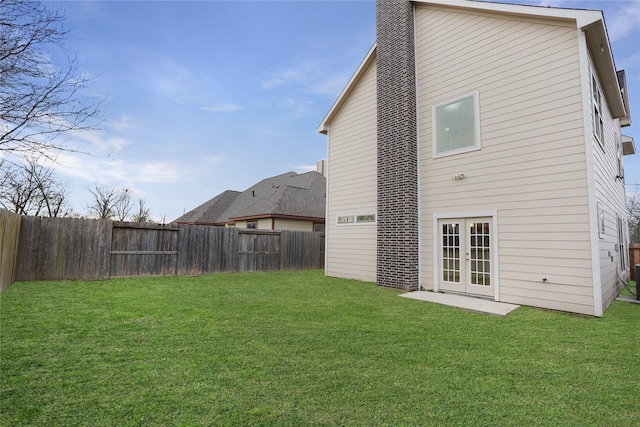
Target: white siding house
[{"x": 520, "y": 174}]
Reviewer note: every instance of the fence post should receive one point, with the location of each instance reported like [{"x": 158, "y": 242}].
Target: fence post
[{"x": 636, "y": 270}]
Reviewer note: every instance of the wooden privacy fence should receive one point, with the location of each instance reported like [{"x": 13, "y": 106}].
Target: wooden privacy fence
[
  {"x": 63, "y": 249},
  {"x": 143, "y": 250},
  {"x": 634, "y": 258},
  {"x": 9, "y": 232},
  {"x": 139, "y": 250},
  {"x": 68, "y": 249}
]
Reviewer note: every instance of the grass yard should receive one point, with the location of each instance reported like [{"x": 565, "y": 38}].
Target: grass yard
[{"x": 296, "y": 348}]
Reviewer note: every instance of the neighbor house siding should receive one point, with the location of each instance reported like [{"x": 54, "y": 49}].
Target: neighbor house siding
[
  {"x": 351, "y": 249},
  {"x": 293, "y": 224},
  {"x": 531, "y": 167},
  {"x": 263, "y": 223},
  {"x": 278, "y": 224},
  {"x": 609, "y": 195}
]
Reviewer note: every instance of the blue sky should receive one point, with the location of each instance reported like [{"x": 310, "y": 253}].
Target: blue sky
[{"x": 205, "y": 96}]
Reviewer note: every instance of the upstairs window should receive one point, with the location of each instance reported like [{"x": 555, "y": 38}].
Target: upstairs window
[
  {"x": 601, "y": 222},
  {"x": 622, "y": 246},
  {"x": 619, "y": 158},
  {"x": 456, "y": 126},
  {"x": 598, "y": 126}
]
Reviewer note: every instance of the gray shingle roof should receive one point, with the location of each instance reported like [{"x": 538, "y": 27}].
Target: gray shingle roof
[
  {"x": 211, "y": 211},
  {"x": 289, "y": 194}
]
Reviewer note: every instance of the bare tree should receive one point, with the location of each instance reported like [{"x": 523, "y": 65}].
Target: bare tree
[
  {"x": 107, "y": 201},
  {"x": 30, "y": 188},
  {"x": 122, "y": 207},
  {"x": 143, "y": 212},
  {"x": 633, "y": 214},
  {"x": 40, "y": 97}
]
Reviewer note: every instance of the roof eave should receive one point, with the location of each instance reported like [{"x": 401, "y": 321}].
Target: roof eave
[
  {"x": 581, "y": 16},
  {"x": 624, "y": 89},
  {"x": 598, "y": 43},
  {"x": 283, "y": 216},
  {"x": 628, "y": 145}
]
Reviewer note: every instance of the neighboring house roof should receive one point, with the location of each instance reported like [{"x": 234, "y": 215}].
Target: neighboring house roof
[
  {"x": 211, "y": 211},
  {"x": 289, "y": 195},
  {"x": 590, "y": 21}
]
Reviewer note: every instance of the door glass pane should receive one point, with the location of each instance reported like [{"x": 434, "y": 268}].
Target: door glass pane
[
  {"x": 451, "y": 253},
  {"x": 480, "y": 254}
]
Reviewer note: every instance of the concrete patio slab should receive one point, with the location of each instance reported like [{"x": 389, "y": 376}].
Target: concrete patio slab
[{"x": 477, "y": 305}]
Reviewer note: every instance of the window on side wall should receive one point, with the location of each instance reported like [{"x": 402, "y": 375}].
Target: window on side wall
[
  {"x": 622, "y": 245},
  {"x": 619, "y": 158},
  {"x": 252, "y": 225},
  {"x": 598, "y": 124},
  {"x": 601, "y": 223},
  {"x": 456, "y": 125}
]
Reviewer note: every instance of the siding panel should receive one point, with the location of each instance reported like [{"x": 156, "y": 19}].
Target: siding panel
[
  {"x": 293, "y": 224},
  {"x": 352, "y": 160}
]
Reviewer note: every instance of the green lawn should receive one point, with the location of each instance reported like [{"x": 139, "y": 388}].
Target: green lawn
[{"x": 296, "y": 348}]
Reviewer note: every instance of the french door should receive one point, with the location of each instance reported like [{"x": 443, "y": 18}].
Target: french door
[{"x": 465, "y": 255}]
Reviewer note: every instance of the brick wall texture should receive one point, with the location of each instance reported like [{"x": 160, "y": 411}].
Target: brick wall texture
[{"x": 397, "y": 262}]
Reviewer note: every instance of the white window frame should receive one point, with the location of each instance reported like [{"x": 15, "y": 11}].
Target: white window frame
[
  {"x": 619, "y": 157},
  {"x": 602, "y": 229},
  {"x": 596, "y": 100},
  {"x": 357, "y": 219},
  {"x": 622, "y": 245},
  {"x": 476, "y": 118}
]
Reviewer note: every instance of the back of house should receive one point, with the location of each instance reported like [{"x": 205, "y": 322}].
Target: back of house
[{"x": 504, "y": 175}]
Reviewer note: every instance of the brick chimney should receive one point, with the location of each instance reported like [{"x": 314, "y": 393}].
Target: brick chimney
[{"x": 397, "y": 262}]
